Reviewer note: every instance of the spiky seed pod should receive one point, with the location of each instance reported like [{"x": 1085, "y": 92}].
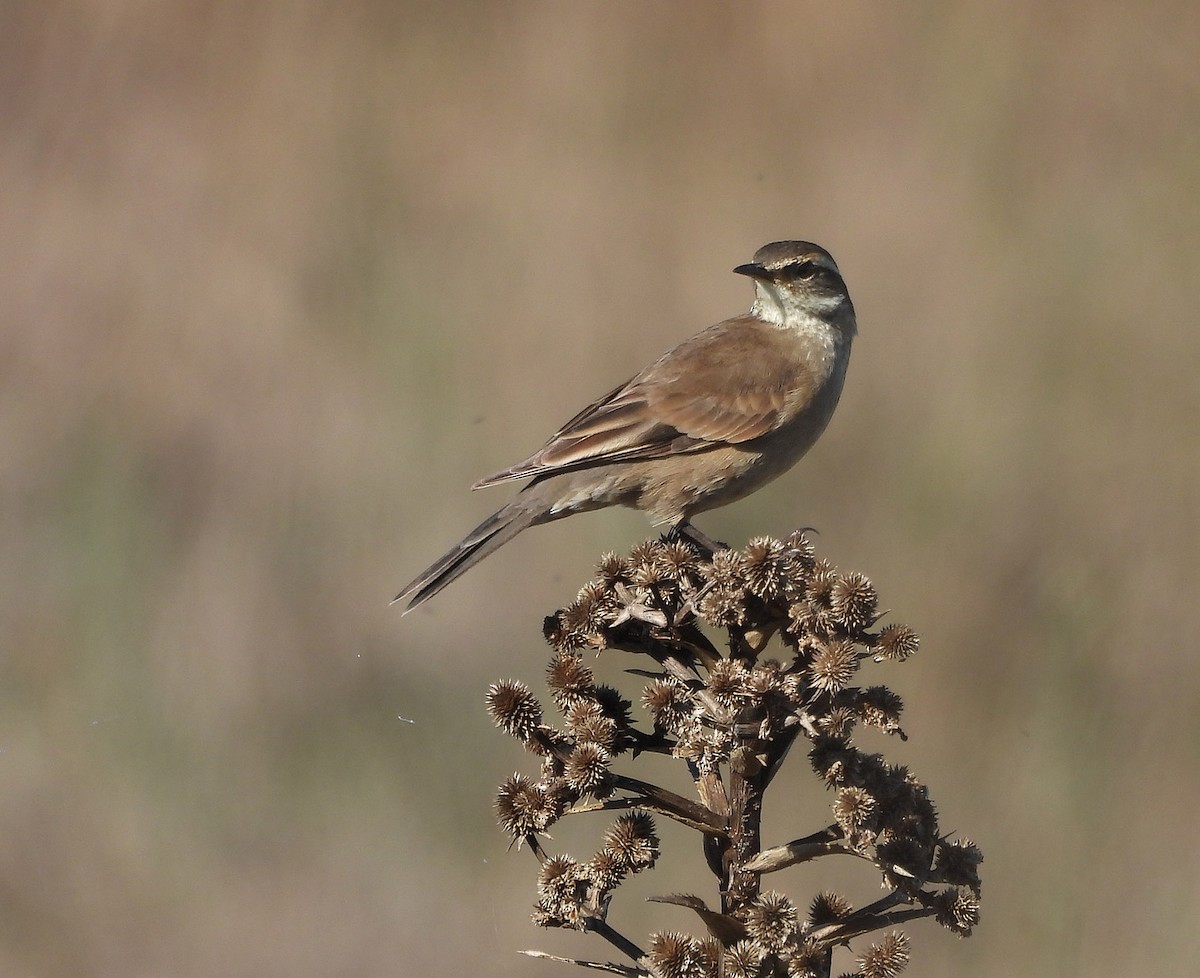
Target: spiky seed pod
[
  {"x": 765, "y": 678},
  {"x": 833, "y": 666},
  {"x": 896, "y": 642},
  {"x": 672, "y": 955},
  {"x": 886, "y": 959},
  {"x": 605, "y": 870},
  {"x": 854, "y": 811},
  {"x": 643, "y": 555},
  {"x": 837, "y": 761},
  {"x": 880, "y": 707},
  {"x": 586, "y": 720},
  {"x": 678, "y": 562},
  {"x": 905, "y": 861},
  {"x": 670, "y": 704},
  {"x": 706, "y": 958},
  {"x": 815, "y": 615},
  {"x": 802, "y": 547},
  {"x": 727, "y": 681},
  {"x": 569, "y": 680},
  {"x": 633, "y": 841},
  {"x": 853, "y": 600},
  {"x": 544, "y": 916},
  {"x": 586, "y": 769},
  {"x": 514, "y": 708},
  {"x": 705, "y": 748},
  {"x": 769, "y": 566},
  {"x": 524, "y": 807},
  {"x": 771, "y": 920},
  {"x": 828, "y": 907},
  {"x": 561, "y": 893},
  {"x": 743, "y": 959},
  {"x": 652, "y": 572},
  {"x": 612, "y": 570},
  {"x": 808, "y": 961},
  {"x": 724, "y": 606},
  {"x": 588, "y": 615},
  {"x": 958, "y": 863},
  {"x": 957, "y": 910},
  {"x": 728, "y": 569},
  {"x": 838, "y": 722},
  {"x": 557, "y": 878}
]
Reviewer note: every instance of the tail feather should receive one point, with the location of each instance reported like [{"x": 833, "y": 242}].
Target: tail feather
[{"x": 486, "y": 538}]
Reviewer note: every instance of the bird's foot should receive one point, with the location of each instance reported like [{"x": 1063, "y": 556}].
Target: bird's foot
[{"x": 683, "y": 530}]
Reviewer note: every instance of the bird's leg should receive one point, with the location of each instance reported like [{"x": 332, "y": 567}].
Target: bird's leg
[{"x": 686, "y": 531}]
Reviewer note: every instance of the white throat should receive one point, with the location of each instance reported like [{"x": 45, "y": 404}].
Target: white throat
[{"x": 781, "y": 307}]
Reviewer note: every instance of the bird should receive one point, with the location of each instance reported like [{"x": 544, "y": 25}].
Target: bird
[{"x": 710, "y": 421}]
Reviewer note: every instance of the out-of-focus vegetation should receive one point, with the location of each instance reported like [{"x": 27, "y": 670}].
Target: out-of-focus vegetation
[{"x": 278, "y": 281}]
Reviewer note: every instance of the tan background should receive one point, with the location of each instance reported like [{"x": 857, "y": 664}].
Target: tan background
[{"x": 278, "y": 282}]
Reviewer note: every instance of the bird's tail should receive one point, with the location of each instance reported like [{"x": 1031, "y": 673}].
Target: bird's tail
[{"x": 487, "y": 537}]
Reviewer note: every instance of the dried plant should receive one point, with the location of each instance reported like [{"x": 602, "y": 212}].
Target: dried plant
[{"x": 731, "y": 717}]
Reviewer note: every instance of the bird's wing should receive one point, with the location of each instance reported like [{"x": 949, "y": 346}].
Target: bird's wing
[{"x": 727, "y": 385}]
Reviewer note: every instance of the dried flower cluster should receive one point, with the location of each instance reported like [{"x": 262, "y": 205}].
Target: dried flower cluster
[{"x": 731, "y": 717}]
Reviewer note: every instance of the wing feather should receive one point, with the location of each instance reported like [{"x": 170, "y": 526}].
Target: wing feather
[{"x": 728, "y": 385}]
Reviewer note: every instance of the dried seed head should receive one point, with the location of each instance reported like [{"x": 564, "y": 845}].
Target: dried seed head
[
  {"x": 586, "y": 722},
  {"x": 678, "y": 561},
  {"x": 896, "y": 642},
  {"x": 728, "y": 569},
  {"x": 633, "y": 841},
  {"x": 828, "y": 908},
  {"x": 606, "y": 870},
  {"x": 880, "y": 707},
  {"x": 802, "y": 548},
  {"x": 832, "y": 758},
  {"x": 586, "y": 769},
  {"x": 524, "y": 807},
  {"x": 886, "y": 959},
  {"x": 833, "y": 666},
  {"x": 854, "y": 599},
  {"x": 644, "y": 554},
  {"x": 958, "y": 863},
  {"x": 769, "y": 566},
  {"x": 854, "y": 811},
  {"x": 771, "y": 920},
  {"x": 724, "y": 606},
  {"x": 588, "y": 614},
  {"x": 905, "y": 862},
  {"x": 957, "y": 910},
  {"x": 743, "y": 959},
  {"x": 765, "y": 678},
  {"x": 815, "y": 613},
  {"x": 706, "y": 959},
  {"x": 569, "y": 679},
  {"x": 612, "y": 570},
  {"x": 838, "y": 722},
  {"x": 672, "y": 955},
  {"x": 558, "y": 878},
  {"x": 670, "y": 703},
  {"x": 561, "y": 894},
  {"x": 727, "y": 681},
  {"x": 514, "y": 708},
  {"x": 808, "y": 961}
]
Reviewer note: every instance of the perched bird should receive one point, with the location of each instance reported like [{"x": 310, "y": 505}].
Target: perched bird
[{"x": 720, "y": 415}]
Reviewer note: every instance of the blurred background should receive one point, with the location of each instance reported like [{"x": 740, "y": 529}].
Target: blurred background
[{"x": 279, "y": 281}]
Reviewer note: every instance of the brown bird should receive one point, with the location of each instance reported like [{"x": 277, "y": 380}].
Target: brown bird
[{"x": 720, "y": 415}]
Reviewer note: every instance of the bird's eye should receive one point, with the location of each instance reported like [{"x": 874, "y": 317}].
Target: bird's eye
[{"x": 807, "y": 270}]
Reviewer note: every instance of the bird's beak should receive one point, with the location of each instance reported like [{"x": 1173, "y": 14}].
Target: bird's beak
[{"x": 754, "y": 270}]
